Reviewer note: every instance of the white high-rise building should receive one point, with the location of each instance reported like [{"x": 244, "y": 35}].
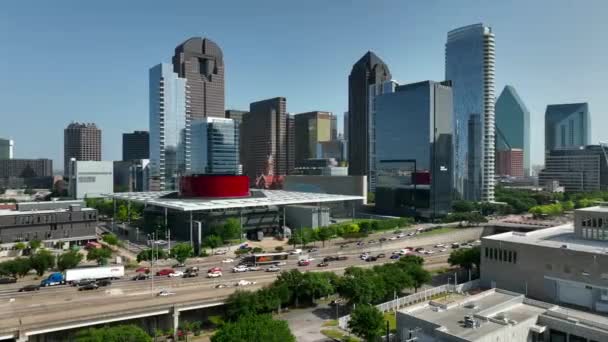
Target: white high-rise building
[
  {"x": 469, "y": 64},
  {"x": 169, "y": 129}
]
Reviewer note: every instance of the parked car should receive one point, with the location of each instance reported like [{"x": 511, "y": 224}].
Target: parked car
[
  {"x": 28, "y": 288},
  {"x": 392, "y": 238},
  {"x": 273, "y": 268},
  {"x": 399, "y": 236},
  {"x": 104, "y": 282},
  {"x": 240, "y": 268},
  {"x": 141, "y": 276},
  {"x": 397, "y": 232},
  {"x": 214, "y": 269},
  {"x": 165, "y": 293},
  {"x": 303, "y": 263},
  {"x": 7, "y": 280},
  {"x": 176, "y": 274},
  {"x": 165, "y": 272},
  {"x": 91, "y": 286},
  {"x": 323, "y": 264}
]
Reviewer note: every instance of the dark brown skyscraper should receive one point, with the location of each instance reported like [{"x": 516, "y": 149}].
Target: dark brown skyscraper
[
  {"x": 370, "y": 69},
  {"x": 200, "y": 61},
  {"x": 266, "y": 144},
  {"x": 81, "y": 141}
]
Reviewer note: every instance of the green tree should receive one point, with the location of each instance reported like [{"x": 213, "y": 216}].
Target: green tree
[
  {"x": 35, "y": 244},
  {"x": 16, "y": 267},
  {"x": 101, "y": 255},
  {"x": 148, "y": 254},
  {"x": 463, "y": 206},
  {"x": 360, "y": 286},
  {"x": 119, "y": 333},
  {"x": 110, "y": 239},
  {"x": 240, "y": 304},
  {"x": 231, "y": 229},
  {"x": 366, "y": 322},
  {"x": 254, "y": 328},
  {"x": 316, "y": 284},
  {"x": 20, "y": 246},
  {"x": 68, "y": 260},
  {"x": 465, "y": 257},
  {"x": 411, "y": 259},
  {"x": 181, "y": 252},
  {"x": 213, "y": 242},
  {"x": 294, "y": 281},
  {"x": 419, "y": 275},
  {"x": 122, "y": 213},
  {"x": 42, "y": 261},
  {"x": 324, "y": 234}
]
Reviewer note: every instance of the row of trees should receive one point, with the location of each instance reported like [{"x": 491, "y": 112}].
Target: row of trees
[
  {"x": 472, "y": 218},
  {"x": 41, "y": 261},
  {"x": 180, "y": 252}
]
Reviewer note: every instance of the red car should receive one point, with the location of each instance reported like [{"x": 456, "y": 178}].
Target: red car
[
  {"x": 303, "y": 263},
  {"x": 143, "y": 270},
  {"x": 165, "y": 272},
  {"x": 214, "y": 269}
]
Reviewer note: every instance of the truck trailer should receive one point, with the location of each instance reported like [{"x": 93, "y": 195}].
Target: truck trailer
[{"x": 102, "y": 272}]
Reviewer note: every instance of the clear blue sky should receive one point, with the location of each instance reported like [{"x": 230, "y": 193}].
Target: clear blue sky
[{"x": 89, "y": 60}]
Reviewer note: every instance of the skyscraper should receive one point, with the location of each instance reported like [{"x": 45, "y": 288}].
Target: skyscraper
[
  {"x": 81, "y": 141},
  {"x": 368, "y": 70},
  {"x": 135, "y": 145},
  {"x": 567, "y": 126},
  {"x": 200, "y": 61},
  {"x": 375, "y": 90},
  {"x": 513, "y": 127},
  {"x": 414, "y": 149},
  {"x": 168, "y": 158},
  {"x": 310, "y": 129},
  {"x": 6, "y": 149},
  {"x": 266, "y": 142},
  {"x": 215, "y": 146},
  {"x": 469, "y": 64}
]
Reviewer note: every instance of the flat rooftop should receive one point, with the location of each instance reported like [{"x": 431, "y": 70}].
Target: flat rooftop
[
  {"x": 553, "y": 237},
  {"x": 493, "y": 310},
  {"x": 32, "y": 212},
  {"x": 602, "y": 208},
  {"x": 258, "y": 198}
]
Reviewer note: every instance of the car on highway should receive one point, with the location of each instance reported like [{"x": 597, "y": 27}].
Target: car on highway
[
  {"x": 371, "y": 258},
  {"x": 227, "y": 260},
  {"x": 29, "y": 288},
  {"x": 400, "y": 236},
  {"x": 191, "y": 269},
  {"x": 392, "y": 238},
  {"x": 371, "y": 241},
  {"x": 87, "y": 287},
  {"x": 215, "y": 274},
  {"x": 143, "y": 270},
  {"x": 165, "y": 272},
  {"x": 176, "y": 274},
  {"x": 455, "y": 245},
  {"x": 244, "y": 282},
  {"x": 83, "y": 282},
  {"x": 419, "y": 250},
  {"x": 395, "y": 256},
  {"x": 165, "y": 293},
  {"x": 240, "y": 268},
  {"x": 303, "y": 262},
  {"x": 313, "y": 250},
  {"x": 429, "y": 251},
  {"x": 443, "y": 250},
  {"x": 221, "y": 286},
  {"x": 360, "y": 243},
  {"x": 381, "y": 255},
  {"x": 439, "y": 245},
  {"x": 296, "y": 251},
  {"x": 397, "y": 232},
  {"x": 190, "y": 274},
  {"x": 141, "y": 276},
  {"x": 322, "y": 264},
  {"x": 273, "y": 268},
  {"x": 254, "y": 268},
  {"x": 8, "y": 280},
  {"x": 104, "y": 282},
  {"x": 342, "y": 257},
  {"x": 330, "y": 258},
  {"x": 214, "y": 269},
  {"x": 364, "y": 256},
  {"x": 382, "y": 239},
  {"x": 220, "y": 252}
]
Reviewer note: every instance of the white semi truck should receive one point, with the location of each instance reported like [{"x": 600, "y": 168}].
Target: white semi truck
[{"x": 102, "y": 272}]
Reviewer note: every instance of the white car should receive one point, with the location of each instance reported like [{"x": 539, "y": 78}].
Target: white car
[
  {"x": 220, "y": 252},
  {"x": 429, "y": 252},
  {"x": 254, "y": 268},
  {"x": 240, "y": 268},
  {"x": 399, "y": 236},
  {"x": 176, "y": 274},
  {"x": 439, "y": 245},
  {"x": 443, "y": 250},
  {"x": 227, "y": 260},
  {"x": 392, "y": 238},
  {"x": 245, "y": 283},
  {"x": 364, "y": 256},
  {"x": 214, "y": 275},
  {"x": 282, "y": 263},
  {"x": 296, "y": 251},
  {"x": 273, "y": 268},
  {"x": 165, "y": 293}
]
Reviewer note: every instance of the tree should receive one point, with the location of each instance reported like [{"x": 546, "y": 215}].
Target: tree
[
  {"x": 419, "y": 275},
  {"x": 122, "y": 214},
  {"x": 231, "y": 229},
  {"x": 181, "y": 252},
  {"x": 101, "y": 255},
  {"x": 316, "y": 284},
  {"x": 110, "y": 239},
  {"x": 360, "y": 286},
  {"x": 68, "y": 260},
  {"x": 254, "y": 328},
  {"x": 240, "y": 304},
  {"x": 411, "y": 259},
  {"x": 324, "y": 234},
  {"x": 35, "y": 244},
  {"x": 20, "y": 246},
  {"x": 119, "y": 333},
  {"x": 292, "y": 280},
  {"x": 16, "y": 267},
  {"x": 465, "y": 258},
  {"x": 213, "y": 242},
  {"x": 149, "y": 254},
  {"x": 366, "y": 322},
  {"x": 42, "y": 261},
  {"x": 463, "y": 206}
]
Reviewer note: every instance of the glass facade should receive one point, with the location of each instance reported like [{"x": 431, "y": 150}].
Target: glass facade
[
  {"x": 513, "y": 125},
  {"x": 375, "y": 90},
  {"x": 168, "y": 131},
  {"x": 469, "y": 64},
  {"x": 567, "y": 126},
  {"x": 215, "y": 146},
  {"x": 414, "y": 149}
]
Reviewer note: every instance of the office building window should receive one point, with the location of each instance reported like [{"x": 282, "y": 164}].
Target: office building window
[
  {"x": 515, "y": 257},
  {"x": 549, "y": 267},
  {"x": 566, "y": 269},
  {"x": 509, "y": 256}
]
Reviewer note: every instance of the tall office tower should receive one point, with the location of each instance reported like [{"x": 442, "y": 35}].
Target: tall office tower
[
  {"x": 200, "y": 61},
  {"x": 290, "y": 126},
  {"x": 135, "y": 145},
  {"x": 567, "y": 126},
  {"x": 469, "y": 64},
  {"x": 370, "y": 69},
  {"x": 311, "y": 128},
  {"x": 414, "y": 149},
  {"x": 345, "y": 126},
  {"x": 577, "y": 170},
  {"x": 513, "y": 128},
  {"x": 265, "y": 138},
  {"x": 6, "y": 149},
  {"x": 81, "y": 141},
  {"x": 168, "y": 159},
  {"x": 510, "y": 163},
  {"x": 236, "y": 115},
  {"x": 215, "y": 146},
  {"x": 375, "y": 90}
]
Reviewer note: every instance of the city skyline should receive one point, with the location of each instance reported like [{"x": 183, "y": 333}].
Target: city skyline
[{"x": 115, "y": 88}]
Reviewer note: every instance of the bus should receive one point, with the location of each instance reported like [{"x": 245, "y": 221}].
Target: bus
[{"x": 266, "y": 258}]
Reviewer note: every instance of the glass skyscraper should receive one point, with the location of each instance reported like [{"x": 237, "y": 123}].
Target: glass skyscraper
[
  {"x": 375, "y": 90},
  {"x": 469, "y": 64},
  {"x": 167, "y": 95},
  {"x": 513, "y": 125},
  {"x": 567, "y": 126},
  {"x": 414, "y": 151},
  {"x": 215, "y": 146}
]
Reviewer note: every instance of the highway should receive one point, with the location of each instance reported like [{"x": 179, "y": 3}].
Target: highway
[{"x": 66, "y": 302}]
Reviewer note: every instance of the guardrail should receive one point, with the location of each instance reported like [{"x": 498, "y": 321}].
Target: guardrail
[{"x": 421, "y": 296}]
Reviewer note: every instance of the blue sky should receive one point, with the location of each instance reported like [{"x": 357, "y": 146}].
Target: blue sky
[{"x": 65, "y": 61}]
